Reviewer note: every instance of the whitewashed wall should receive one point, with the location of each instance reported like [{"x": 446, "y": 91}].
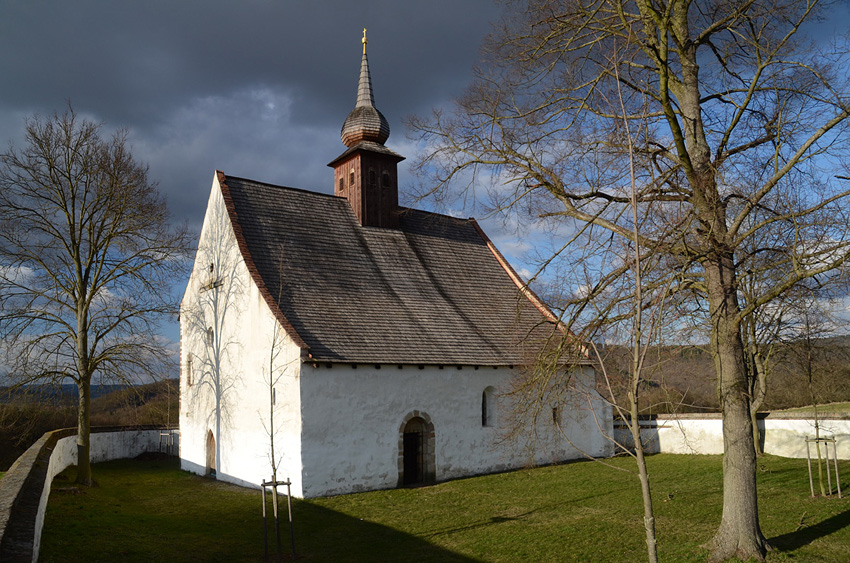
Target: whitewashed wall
[
  {"x": 703, "y": 434},
  {"x": 229, "y": 394},
  {"x": 352, "y": 418}
]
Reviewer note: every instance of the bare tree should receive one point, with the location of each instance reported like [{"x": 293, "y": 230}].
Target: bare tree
[
  {"x": 87, "y": 258},
  {"x": 742, "y": 116},
  {"x": 805, "y": 341},
  {"x": 772, "y": 327}
]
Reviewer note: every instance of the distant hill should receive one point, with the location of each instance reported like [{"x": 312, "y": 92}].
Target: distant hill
[
  {"x": 54, "y": 392},
  {"x": 26, "y": 414}
]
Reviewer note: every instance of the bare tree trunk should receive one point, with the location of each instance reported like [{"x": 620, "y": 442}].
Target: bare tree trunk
[
  {"x": 810, "y": 377},
  {"x": 739, "y": 534},
  {"x": 83, "y": 433},
  {"x": 648, "y": 513}
]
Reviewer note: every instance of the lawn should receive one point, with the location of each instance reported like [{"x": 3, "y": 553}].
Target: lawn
[
  {"x": 584, "y": 511},
  {"x": 823, "y": 410}
]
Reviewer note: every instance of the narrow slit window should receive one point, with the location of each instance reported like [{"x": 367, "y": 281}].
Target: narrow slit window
[{"x": 488, "y": 407}]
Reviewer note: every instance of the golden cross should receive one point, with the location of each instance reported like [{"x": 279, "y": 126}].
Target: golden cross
[{"x": 364, "y": 40}]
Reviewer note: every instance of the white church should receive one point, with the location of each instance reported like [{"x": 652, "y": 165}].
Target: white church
[{"x": 373, "y": 345}]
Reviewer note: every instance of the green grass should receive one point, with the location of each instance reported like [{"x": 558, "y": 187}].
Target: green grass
[
  {"x": 151, "y": 511},
  {"x": 830, "y": 408}
]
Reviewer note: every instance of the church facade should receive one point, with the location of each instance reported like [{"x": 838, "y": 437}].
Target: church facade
[{"x": 353, "y": 344}]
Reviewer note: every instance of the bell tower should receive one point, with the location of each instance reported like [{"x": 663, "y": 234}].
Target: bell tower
[{"x": 366, "y": 173}]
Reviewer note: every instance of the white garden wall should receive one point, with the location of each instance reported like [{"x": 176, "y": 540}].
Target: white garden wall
[
  {"x": 783, "y": 435},
  {"x": 31, "y": 476}
]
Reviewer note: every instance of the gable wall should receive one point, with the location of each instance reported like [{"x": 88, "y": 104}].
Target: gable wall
[
  {"x": 229, "y": 394},
  {"x": 352, "y": 420}
]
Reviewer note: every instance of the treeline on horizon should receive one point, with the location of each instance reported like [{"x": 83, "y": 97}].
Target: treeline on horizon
[{"x": 681, "y": 379}]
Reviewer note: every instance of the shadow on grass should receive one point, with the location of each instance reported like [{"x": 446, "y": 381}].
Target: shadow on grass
[
  {"x": 151, "y": 511},
  {"x": 806, "y": 535},
  {"x": 327, "y": 535}
]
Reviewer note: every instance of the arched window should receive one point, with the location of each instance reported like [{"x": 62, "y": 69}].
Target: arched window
[
  {"x": 385, "y": 179},
  {"x": 341, "y": 184},
  {"x": 351, "y": 178},
  {"x": 488, "y": 407},
  {"x": 373, "y": 178}
]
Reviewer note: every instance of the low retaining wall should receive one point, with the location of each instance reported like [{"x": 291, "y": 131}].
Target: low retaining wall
[
  {"x": 781, "y": 435},
  {"x": 24, "y": 489}
]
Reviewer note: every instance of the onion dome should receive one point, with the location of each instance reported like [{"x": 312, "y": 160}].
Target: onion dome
[{"x": 365, "y": 122}]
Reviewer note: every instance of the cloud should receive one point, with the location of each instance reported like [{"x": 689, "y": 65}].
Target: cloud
[{"x": 256, "y": 89}]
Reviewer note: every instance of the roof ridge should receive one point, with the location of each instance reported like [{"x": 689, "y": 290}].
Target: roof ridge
[
  {"x": 270, "y": 185},
  {"x": 402, "y": 209}
]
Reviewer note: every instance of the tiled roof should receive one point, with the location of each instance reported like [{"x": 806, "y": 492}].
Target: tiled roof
[{"x": 431, "y": 292}]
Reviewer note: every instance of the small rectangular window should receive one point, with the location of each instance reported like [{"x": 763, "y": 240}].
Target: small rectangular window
[{"x": 189, "y": 370}]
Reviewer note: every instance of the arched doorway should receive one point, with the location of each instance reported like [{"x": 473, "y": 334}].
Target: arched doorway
[
  {"x": 210, "y": 455},
  {"x": 413, "y": 442},
  {"x": 416, "y": 464}
]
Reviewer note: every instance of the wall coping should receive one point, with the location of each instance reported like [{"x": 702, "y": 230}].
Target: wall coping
[{"x": 719, "y": 416}]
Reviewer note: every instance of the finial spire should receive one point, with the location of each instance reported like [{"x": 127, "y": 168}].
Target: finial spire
[{"x": 365, "y": 122}]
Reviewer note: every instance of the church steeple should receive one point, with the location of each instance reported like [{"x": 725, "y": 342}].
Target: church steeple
[
  {"x": 366, "y": 174},
  {"x": 365, "y": 122}
]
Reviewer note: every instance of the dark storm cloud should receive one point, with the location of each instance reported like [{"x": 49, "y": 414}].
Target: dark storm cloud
[{"x": 257, "y": 88}]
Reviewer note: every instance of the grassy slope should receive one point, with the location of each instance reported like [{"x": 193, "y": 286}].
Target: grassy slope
[
  {"x": 830, "y": 408},
  {"x": 143, "y": 511}
]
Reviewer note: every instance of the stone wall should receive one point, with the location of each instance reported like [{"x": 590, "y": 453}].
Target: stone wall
[
  {"x": 25, "y": 488},
  {"x": 782, "y": 435}
]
